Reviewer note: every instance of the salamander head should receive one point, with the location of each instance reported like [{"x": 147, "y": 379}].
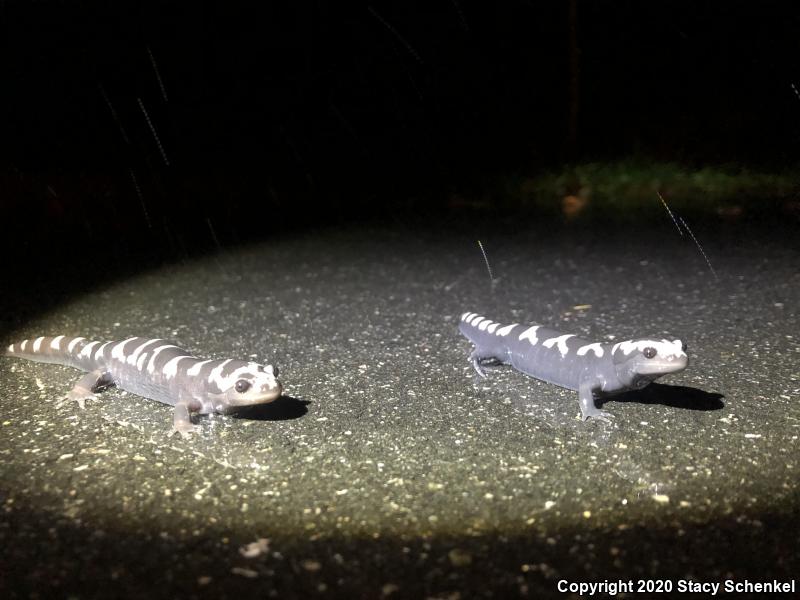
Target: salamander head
[
  {"x": 247, "y": 384},
  {"x": 641, "y": 361}
]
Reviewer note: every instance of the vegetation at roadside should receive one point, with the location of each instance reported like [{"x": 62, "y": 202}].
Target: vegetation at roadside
[{"x": 631, "y": 189}]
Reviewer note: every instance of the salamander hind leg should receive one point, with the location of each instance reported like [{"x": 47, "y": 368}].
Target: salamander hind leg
[
  {"x": 479, "y": 358},
  {"x": 588, "y": 407},
  {"x": 87, "y": 386},
  {"x": 475, "y": 359}
]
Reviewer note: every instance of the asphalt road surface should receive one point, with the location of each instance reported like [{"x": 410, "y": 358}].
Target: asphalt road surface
[{"x": 388, "y": 470}]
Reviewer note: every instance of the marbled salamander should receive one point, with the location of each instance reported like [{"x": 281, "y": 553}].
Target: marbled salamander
[
  {"x": 158, "y": 370},
  {"x": 594, "y": 369}
]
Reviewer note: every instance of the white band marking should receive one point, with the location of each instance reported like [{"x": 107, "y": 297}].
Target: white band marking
[
  {"x": 86, "y": 352},
  {"x": 216, "y": 372},
  {"x": 194, "y": 370},
  {"x": 597, "y": 348},
  {"x": 116, "y": 351},
  {"x": 504, "y": 331},
  {"x": 561, "y": 341},
  {"x": 134, "y": 357},
  {"x": 100, "y": 350},
  {"x": 530, "y": 335},
  {"x": 151, "y": 364},
  {"x": 73, "y": 343},
  {"x": 170, "y": 369}
]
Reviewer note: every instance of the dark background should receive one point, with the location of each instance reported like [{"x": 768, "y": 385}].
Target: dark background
[
  {"x": 136, "y": 133},
  {"x": 186, "y": 125}
]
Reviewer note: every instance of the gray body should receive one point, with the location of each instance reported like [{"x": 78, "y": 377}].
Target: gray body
[
  {"x": 159, "y": 370},
  {"x": 593, "y": 369}
]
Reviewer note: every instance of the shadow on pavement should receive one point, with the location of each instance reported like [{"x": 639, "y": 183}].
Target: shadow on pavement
[
  {"x": 675, "y": 396},
  {"x": 284, "y": 408}
]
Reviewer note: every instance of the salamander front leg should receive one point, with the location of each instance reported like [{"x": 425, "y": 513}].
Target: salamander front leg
[
  {"x": 87, "y": 385},
  {"x": 588, "y": 408},
  {"x": 182, "y": 416},
  {"x": 182, "y": 421}
]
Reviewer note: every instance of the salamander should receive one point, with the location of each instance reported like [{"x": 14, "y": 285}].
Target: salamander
[
  {"x": 158, "y": 370},
  {"x": 593, "y": 369}
]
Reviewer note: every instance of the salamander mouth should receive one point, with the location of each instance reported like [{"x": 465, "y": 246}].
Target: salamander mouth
[
  {"x": 663, "y": 367},
  {"x": 254, "y": 399}
]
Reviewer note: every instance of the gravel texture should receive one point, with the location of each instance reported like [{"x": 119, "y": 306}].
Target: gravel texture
[{"x": 388, "y": 469}]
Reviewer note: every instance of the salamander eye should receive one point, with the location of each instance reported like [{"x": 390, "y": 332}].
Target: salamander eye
[
  {"x": 684, "y": 347},
  {"x": 242, "y": 386},
  {"x": 649, "y": 352}
]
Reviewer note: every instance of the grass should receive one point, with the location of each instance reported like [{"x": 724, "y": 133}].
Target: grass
[{"x": 631, "y": 188}]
